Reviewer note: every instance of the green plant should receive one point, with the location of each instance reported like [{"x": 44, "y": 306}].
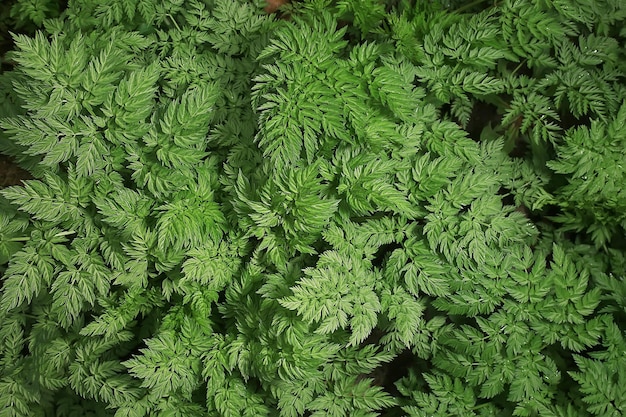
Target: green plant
[
  {"x": 355, "y": 210},
  {"x": 34, "y": 12}
]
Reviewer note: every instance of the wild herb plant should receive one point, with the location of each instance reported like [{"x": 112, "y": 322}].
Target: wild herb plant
[{"x": 412, "y": 208}]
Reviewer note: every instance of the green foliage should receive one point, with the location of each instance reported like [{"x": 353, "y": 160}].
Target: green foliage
[
  {"x": 592, "y": 158},
  {"x": 35, "y": 11},
  {"x": 410, "y": 208}
]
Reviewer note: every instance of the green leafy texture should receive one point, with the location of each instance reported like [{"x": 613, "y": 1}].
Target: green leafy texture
[
  {"x": 363, "y": 14},
  {"x": 110, "y": 239},
  {"x": 593, "y": 159},
  {"x": 355, "y": 209},
  {"x": 350, "y": 398},
  {"x": 288, "y": 212},
  {"x": 290, "y": 119},
  {"x": 403, "y": 311},
  {"x": 453, "y": 66},
  {"x": 212, "y": 266},
  {"x": 91, "y": 376},
  {"x": 28, "y": 12},
  {"x": 120, "y": 314},
  {"x": 513, "y": 345},
  {"x": 230, "y": 26},
  {"x": 288, "y": 375},
  {"x": 337, "y": 293},
  {"x": 188, "y": 221},
  {"x": 13, "y": 232},
  {"x": 423, "y": 271},
  {"x": 165, "y": 366},
  {"x": 459, "y": 399},
  {"x": 186, "y": 123},
  {"x": 601, "y": 375},
  {"x": 32, "y": 268},
  {"x": 529, "y": 186},
  {"x": 133, "y": 101},
  {"x": 366, "y": 187},
  {"x": 64, "y": 81},
  {"x": 64, "y": 201}
]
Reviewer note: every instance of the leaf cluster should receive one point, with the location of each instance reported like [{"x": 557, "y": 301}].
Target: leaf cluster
[{"x": 359, "y": 209}]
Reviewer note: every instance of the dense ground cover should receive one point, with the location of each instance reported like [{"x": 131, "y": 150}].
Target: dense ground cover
[{"x": 339, "y": 208}]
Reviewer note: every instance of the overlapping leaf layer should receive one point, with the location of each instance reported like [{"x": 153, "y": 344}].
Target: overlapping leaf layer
[{"x": 361, "y": 208}]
